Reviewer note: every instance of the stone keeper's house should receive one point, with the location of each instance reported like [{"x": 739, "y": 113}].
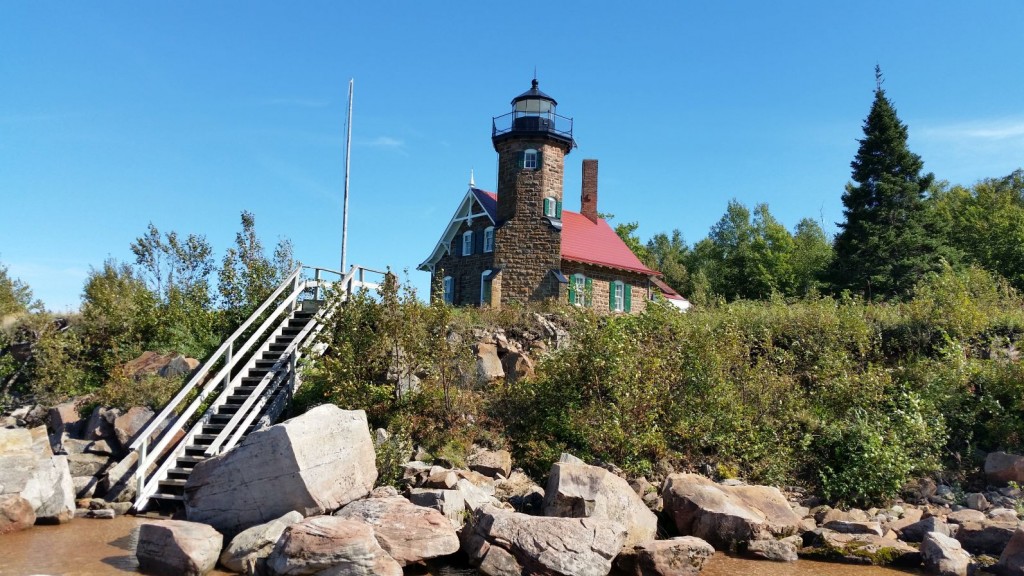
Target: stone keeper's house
[{"x": 521, "y": 245}]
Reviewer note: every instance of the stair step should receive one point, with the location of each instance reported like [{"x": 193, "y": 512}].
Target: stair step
[
  {"x": 195, "y": 450},
  {"x": 205, "y": 437},
  {"x": 188, "y": 461},
  {"x": 165, "y": 496},
  {"x": 172, "y": 483},
  {"x": 220, "y": 418},
  {"x": 227, "y": 409},
  {"x": 178, "y": 472},
  {"x": 247, "y": 389},
  {"x": 237, "y": 398}
]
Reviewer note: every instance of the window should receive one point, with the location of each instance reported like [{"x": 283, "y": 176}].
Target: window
[
  {"x": 531, "y": 159},
  {"x": 619, "y": 296},
  {"x": 489, "y": 239},
  {"x": 550, "y": 207},
  {"x": 580, "y": 289},
  {"x": 449, "y": 289},
  {"x": 485, "y": 288},
  {"x": 616, "y": 297},
  {"x": 467, "y": 243}
]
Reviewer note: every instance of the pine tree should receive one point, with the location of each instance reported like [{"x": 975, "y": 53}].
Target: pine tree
[{"x": 889, "y": 239}]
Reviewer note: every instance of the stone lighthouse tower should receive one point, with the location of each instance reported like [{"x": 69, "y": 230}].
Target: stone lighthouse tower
[{"x": 531, "y": 142}]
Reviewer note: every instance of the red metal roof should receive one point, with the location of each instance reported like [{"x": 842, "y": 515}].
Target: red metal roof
[{"x": 590, "y": 243}]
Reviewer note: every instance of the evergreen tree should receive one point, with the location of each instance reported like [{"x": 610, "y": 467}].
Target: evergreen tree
[{"x": 889, "y": 239}]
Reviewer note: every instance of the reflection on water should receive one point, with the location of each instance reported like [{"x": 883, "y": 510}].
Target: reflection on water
[{"x": 88, "y": 547}]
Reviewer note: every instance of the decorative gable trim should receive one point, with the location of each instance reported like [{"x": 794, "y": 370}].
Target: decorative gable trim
[{"x": 470, "y": 208}]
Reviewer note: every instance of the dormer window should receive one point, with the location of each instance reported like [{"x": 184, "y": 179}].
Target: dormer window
[
  {"x": 467, "y": 243},
  {"x": 489, "y": 239},
  {"x": 531, "y": 159}
]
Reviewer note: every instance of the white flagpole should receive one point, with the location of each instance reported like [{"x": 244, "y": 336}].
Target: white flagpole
[{"x": 348, "y": 154}]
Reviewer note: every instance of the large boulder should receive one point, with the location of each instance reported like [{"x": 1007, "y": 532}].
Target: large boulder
[
  {"x": 503, "y": 543},
  {"x": 915, "y": 532},
  {"x": 163, "y": 365},
  {"x": 583, "y": 491},
  {"x": 943, "y": 555},
  {"x": 986, "y": 537},
  {"x": 783, "y": 550},
  {"x": 247, "y": 553},
  {"x": 65, "y": 419},
  {"x": 1011, "y": 561},
  {"x": 858, "y": 549},
  {"x": 177, "y": 547},
  {"x": 682, "y": 556},
  {"x": 450, "y": 503},
  {"x": 727, "y": 516},
  {"x": 313, "y": 463},
  {"x": 29, "y": 469},
  {"x": 330, "y": 545},
  {"x": 16, "y": 513},
  {"x": 1002, "y": 468},
  {"x": 491, "y": 463},
  {"x": 407, "y": 532},
  {"x": 127, "y": 425},
  {"x": 488, "y": 365}
]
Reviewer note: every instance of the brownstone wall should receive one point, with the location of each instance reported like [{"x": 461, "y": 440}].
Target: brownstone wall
[
  {"x": 527, "y": 246},
  {"x": 466, "y": 270},
  {"x": 601, "y": 277}
]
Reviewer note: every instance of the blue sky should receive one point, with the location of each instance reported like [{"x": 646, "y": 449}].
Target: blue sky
[{"x": 114, "y": 115}]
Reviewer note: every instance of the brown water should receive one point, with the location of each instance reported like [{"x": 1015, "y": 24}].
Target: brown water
[{"x": 88, "y": 547}]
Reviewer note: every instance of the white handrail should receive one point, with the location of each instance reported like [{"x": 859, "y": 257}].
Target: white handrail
[{"x": 144, "y": 434}]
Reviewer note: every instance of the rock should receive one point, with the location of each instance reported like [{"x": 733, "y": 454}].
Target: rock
[
  {"x": 488, "y": 365},
  {"x": 443, "y": 479},
  {"x": 943, "y": 555},
  {"x": 681, "y": 556},
  {"x": 101, "y": 448},
  {"x": 500, "y": 542},
  {"x": 29, "y": 469},
  {"x": 582, "y": 491},
  {"x": 1011, "y": 561},
  {"x": 517, "y": 365},
  {"x": 176, "y": 547},
  {"x": 84, "y": 486},
  {"x": 965, "y": 515},
  {"x": 127, "y": 425},
  {"x": 986, "y": 537},
  {"x": 1003, "y": 468},
  {"x": 858, "y": 549},
  {"x": 105, "y": 514},
  {"x": 247, "y": 553},
  {"x": 163, "y": 365},
  {"x": 727, "y": 515},
  {"x": 16, "y": 513},
  {"x": 64, "y": 419},
  {"x": 177, "y": 366},
  {"x": 450, "y": 503},
  {"x": 570, "y": 459},
  {"x": 383, "y": 492},
  {"x": 851, "y": 527},
  {"x": 521, "y": 492},
  {"x": 977, "y": 501},
  {"x": 313, "y": 463},
  {"x": 86, "y": 464},
  {"x": 100, "y": 424},
  {"x": 475, "y": 496},
  {"x": 916, "y": 531},
  {"x": 774, "y": 550},
  {"x": 413, "y": 469},
  {"x": 491, "y": 463},
  {"x": 408, "y": 533},
  {"x": 1002, "y": 515},
  {"x": 330, "y": 545}
]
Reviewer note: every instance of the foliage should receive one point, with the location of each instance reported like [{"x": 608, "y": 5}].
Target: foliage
[
  {"x": 889, "y": 238},
  {"x": 55, "y": 370},
  {"x": 119, "y": 316},
  {"x": 15, "y": 295},
  {"x": 248, "y": 276}
]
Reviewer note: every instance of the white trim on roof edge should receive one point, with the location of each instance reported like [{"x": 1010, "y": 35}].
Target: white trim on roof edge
[{"x": 463, "y": 212}]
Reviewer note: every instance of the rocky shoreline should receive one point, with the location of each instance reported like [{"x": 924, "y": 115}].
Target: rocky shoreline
[{"x": 300, "y": 498}]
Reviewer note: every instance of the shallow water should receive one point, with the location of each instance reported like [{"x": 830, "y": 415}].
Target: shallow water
[{"x": 88, "y": 547}]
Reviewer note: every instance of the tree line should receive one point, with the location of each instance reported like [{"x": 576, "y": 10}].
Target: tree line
[{"x": 900, "y": 225}]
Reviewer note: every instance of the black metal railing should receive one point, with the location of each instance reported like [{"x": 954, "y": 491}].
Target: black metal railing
[{"x": 519, "y": 122}]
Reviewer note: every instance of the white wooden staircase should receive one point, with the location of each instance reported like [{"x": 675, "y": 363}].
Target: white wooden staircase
[{"x": 244, "y": 386}]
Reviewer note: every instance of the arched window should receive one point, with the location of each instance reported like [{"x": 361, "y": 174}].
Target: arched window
[
  {"x": 467, "y": 243},
  {"x": 531, "y": 159},
  {"x": 449, "y": 289},
  {"x": 489, "y": 239},
  {"x": 485, "y": 288}
]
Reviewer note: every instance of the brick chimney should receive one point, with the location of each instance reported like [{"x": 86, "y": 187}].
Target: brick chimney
[{"x": 588, "y": 195}]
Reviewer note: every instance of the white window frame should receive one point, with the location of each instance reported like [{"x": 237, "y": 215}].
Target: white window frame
[
  {"x": 467, "y": 243},
  {"x": 484, "y": 277},
  {"x": 489, "y": 239},
  {"x": 448, "y": 288},
  {"x": 579, "y": 282},
  {"x": 550, "y": 206},
  {"x": 620, "y": 296},
  {"x": 530, "y": 156}
]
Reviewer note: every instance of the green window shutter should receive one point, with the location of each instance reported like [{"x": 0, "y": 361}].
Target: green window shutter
[
  {"x": 558, "y": 210},
  {"x": 611, "y": 296},
  {"x": 626, "y": 292},
  {"x": 547, "y": 206},
  {"x": 487, "y": 292},
  {"x": 572, "y": 290},
  {"x": 589, "y": 288},
  {"x": 521, "y": 162},
  {"x": 538, "y": 159}
]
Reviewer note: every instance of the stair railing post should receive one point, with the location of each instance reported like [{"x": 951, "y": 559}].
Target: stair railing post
[
  {"x": 140, "y": 470},
  {"x": 316, "y": 278},
  {"x": 228, "y": 361}
]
